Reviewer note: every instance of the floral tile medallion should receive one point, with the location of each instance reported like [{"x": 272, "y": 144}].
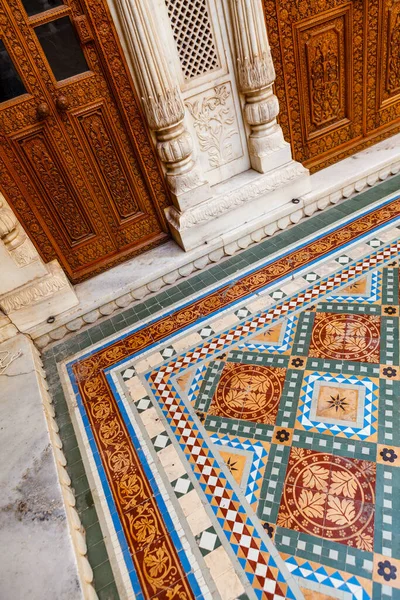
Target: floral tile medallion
[
  {"x": 348, "y": 337},
  {"x": 329, "y": 497},
  {"x": 248, "y": 392}
]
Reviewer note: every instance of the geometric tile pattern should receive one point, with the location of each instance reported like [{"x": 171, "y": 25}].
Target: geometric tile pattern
[
  {"x": 366, "y": 290},
  {"x": 273, "y": 339},
  {"x": 333, "y": 579},
  {"x": 327, "y": 491},
  {"x": 343, "y": 405},
  {"x": 342, "y": 512},
  {"x": 257, "y": 459}
]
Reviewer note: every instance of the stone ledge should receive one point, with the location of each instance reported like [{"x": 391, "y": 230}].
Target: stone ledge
[{"x": 167, "y": 264}]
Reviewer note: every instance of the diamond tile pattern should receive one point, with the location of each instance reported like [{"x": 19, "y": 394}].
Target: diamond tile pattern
[
  {"x": 285, "y": 428},
  {"x": 322, "y": 477}
]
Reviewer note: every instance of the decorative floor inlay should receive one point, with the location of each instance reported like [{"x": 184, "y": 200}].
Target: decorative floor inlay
[{"x": 253, "y": 451}]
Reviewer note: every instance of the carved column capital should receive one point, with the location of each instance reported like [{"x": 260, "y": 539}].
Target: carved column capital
[
  {"x": 255, "y": 72},
  {"x": 165, "y": 110},
  {"x": 256, "y": 75},
  {"x": 162, "y": 103}
]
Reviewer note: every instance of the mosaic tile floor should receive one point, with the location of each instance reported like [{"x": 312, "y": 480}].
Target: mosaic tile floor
[{"x": 245, "y": 443}]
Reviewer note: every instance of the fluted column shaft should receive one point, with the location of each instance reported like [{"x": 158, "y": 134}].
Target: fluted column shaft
[
  {"x": 256, "y": 75},
  {"x": 163, "y": 104}
]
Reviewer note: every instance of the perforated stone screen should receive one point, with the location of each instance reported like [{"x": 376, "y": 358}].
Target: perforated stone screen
[{"x": 192, "y": 30}]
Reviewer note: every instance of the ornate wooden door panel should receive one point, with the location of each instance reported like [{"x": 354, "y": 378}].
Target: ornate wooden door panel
[
  {"x": 69, "y": 137},
  {"x": 383, "y": 96},
  {"x": 338, "y": 74}
]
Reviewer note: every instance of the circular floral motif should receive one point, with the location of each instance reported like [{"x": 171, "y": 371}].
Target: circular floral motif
[
  {"x": 389, "y": 310},
  {"x": 282, "y": 435},
  {"x": 249, "y": 392},
  {"x": 389, "y": 372},
  {"x": 388, "y": 455},
  {"x": 387, "y": 570},
  {"x": 329, "y": 496},
  {"x": 342, "y": 336}
]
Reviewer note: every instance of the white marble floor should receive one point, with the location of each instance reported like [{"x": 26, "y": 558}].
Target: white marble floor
[{"x": 36, "y": 555}]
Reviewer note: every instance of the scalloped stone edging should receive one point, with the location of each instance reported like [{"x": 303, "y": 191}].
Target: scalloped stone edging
[{"x": 307, "y": 207}]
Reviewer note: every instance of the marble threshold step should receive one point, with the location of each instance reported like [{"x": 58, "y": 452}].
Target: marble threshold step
[{"x": 141, "y": 276}]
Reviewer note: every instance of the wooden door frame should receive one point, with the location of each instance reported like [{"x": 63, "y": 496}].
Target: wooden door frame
[{"x": 96, "y": 25}]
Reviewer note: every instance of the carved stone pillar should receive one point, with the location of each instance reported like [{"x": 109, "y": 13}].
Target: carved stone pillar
[
  {"x": 162, "y": 103},
  {"x": 30, "y": 291},
  {"x": 256, "y": 75},
  {"x": 14, "y": 237}
]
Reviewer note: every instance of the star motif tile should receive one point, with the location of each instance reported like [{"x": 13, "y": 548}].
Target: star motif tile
[
  {"x": 268, "y": 435},
  {"x": 342, "y": 405}
]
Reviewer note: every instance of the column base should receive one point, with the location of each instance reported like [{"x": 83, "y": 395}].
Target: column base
[
  {"x": 41, "y": 298},
  {"x": 242, "y": 202},
  {"x": 265, "y": 161},
  {"x": 188, "y": 190}
]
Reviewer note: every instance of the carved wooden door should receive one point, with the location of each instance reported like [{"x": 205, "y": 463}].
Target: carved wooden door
[
  {"x": 76, "y": 162},
  {"x": 338, "y": 74}
]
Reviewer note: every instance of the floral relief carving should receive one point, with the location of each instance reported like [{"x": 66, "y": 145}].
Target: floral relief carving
[
  {"x": 325, "y": 83},
  {"x": 393, "y": 66},
  {"x": 215, "y": 125},
  {"x": 33, "y": 293},
  {"x": 98, "y": 135},
  {"x": 283, "y": 18}
]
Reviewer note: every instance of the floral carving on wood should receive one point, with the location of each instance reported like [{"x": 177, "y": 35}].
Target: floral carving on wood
[
  {"x": 325, "y": 83},
  {"x": 393, "y": 67},
  {"x": 215, "y": 125},
  {"x": 369, "y": 27}
]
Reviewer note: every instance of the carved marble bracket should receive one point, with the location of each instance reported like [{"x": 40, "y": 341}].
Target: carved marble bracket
[
  {"x": 162, "y": 103},
  {"x": 30, "y": 291},
  {"x": 267, "y": 147},
  {"x": 14, "y": 237},
  {"x": 39, "y": 299}
]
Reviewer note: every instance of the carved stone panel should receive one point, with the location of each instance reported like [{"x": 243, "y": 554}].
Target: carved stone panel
[{"x": 215, "y": 122}]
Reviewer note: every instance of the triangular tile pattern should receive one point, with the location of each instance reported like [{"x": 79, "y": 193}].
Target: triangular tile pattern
[
  {"x": 237, "y": 524},
  {"x": 250, "y": 543},
  {"x": 259, "y": 451}
]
